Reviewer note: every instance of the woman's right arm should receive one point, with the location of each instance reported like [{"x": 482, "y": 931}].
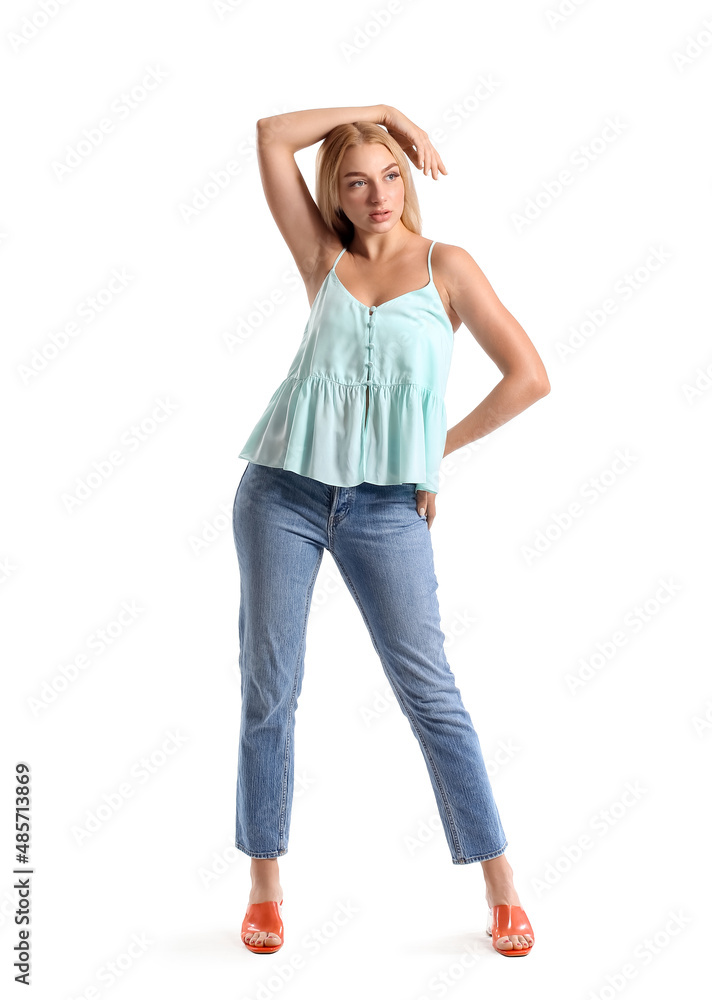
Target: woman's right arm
[
  {"x": 299, "y": 129},
  {"x": 311, "y": 242}
]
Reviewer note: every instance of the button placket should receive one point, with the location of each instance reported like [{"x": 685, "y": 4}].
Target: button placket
[{"x": 369, "y": 363}]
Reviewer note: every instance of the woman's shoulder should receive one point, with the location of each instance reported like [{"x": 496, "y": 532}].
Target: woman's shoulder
[
  {"x": 450, "y": 252},
  {"x": 453, "y": 263}
]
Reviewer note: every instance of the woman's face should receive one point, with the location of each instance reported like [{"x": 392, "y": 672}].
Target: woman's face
[{"x": 370, "y": 180}]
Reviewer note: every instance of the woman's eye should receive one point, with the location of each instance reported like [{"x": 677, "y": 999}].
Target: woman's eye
[{"x": 392, "y": 174}]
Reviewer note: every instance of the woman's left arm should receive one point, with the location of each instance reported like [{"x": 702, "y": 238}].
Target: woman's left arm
[{"x": 524, "y": 379}]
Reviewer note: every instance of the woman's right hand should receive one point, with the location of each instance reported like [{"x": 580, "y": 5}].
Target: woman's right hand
[{"x": 425, "y": 156}]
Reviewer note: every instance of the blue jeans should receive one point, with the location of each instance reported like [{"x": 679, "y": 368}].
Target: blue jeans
[{"x": 282, "y": 522}]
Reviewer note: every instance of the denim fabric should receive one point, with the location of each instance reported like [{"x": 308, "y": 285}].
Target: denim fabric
[{"x": 282, "y": 522}]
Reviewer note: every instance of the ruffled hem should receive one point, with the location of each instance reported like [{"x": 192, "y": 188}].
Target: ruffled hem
[{"x": 315, "y": 427}]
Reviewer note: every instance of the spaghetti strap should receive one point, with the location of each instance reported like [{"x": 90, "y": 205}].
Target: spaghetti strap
[
  {"x": 430, "y": 269},
  {"x": 338, "y": 259}
]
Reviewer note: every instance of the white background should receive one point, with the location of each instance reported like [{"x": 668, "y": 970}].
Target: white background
[{"x": 187, "y": 329}]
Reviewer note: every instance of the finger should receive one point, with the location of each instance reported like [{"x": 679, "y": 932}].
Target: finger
[{"x": 428, "y": 155}]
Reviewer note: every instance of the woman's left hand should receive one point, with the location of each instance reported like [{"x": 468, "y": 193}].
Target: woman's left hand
[
  {"x": 415, "y": 142},
  {"x": 425, "y": 502}
]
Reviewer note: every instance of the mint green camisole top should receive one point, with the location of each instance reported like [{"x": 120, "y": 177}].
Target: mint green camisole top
[{"x": 317, "y": 423}]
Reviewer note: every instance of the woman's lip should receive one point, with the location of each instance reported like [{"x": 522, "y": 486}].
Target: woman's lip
[{"x": 388, "y": 212}]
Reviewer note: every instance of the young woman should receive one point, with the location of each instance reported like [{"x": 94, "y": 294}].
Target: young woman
[{"x": 346, "y": 457}]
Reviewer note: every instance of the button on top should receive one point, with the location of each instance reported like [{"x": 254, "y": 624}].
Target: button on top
[{"x": 414, "y": 346}]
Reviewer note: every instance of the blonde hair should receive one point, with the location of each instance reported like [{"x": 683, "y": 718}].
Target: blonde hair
[{"x": 328, "y": 161}]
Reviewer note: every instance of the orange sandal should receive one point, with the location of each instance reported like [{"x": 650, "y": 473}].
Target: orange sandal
[
  {"x": 263, "y": 917},
  {"x": 505, "y": 920}
]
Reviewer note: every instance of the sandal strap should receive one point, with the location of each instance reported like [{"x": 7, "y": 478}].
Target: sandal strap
[
  {"x": 265, "y": 917},
  {"x": 508, "y": 919}
]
